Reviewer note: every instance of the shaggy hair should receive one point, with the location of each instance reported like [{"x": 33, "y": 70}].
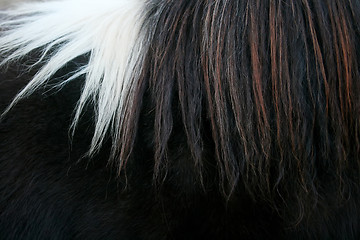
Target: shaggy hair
[{"x": 180, "y": 119}]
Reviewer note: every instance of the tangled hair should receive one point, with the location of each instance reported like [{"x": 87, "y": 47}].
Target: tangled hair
[{"x": 249, "y": 99}]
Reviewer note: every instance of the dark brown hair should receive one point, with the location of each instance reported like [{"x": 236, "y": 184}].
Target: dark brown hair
[
  {"x": 275, "y": 82},
  {"x": 222, "y": 119}
]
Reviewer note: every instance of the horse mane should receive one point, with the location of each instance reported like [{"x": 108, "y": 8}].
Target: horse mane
[{"x": 272, "y": 86}]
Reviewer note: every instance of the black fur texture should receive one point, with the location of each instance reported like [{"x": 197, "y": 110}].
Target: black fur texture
[{"x": 245, "y": 125}]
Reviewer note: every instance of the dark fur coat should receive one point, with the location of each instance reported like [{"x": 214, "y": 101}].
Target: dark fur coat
[{"x": 238, "y": 120}]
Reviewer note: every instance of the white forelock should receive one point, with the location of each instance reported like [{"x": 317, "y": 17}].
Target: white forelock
[{"x": 109, "y": 31}]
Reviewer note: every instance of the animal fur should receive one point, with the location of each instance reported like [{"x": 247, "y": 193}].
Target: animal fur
[{"x": 180, "y": 119}]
